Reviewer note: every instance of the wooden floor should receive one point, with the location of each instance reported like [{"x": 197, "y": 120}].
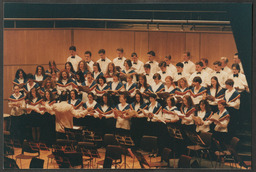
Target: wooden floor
[{"x": 24, "y": 164}]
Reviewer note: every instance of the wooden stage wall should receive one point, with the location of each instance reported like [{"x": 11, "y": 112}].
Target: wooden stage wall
[{"x": 27, "y": 48}]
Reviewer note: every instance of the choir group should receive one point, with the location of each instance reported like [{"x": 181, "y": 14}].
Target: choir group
[{"x": 127, "y": 97}]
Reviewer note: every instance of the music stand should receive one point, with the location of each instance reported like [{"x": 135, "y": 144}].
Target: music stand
[{"x": 125, "y": 142}]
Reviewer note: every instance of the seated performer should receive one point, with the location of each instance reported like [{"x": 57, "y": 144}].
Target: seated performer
[{"x": 202, "y": 116}]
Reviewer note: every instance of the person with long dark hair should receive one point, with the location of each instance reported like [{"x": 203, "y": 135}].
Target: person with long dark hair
[
  {"x": 138, "y": 121},
  {"x": 111, "y": 71},
  {"x": 48, "y": 129},
  {"x": 52, "y": 68},
  {"x": 144, "y": 88},
  {"x": 83, "y": 67},
  {"x": 65, "y": 82},
  {"x": 214, "y": 94},
  {"x": 101, "y": 88},
  {"x": 130, "y": 87},
  {"x": 34, "y": 114},
  {"x": 70, "y": 69},
  {"x": 20, "y": 79},
  {"x": 30, "y": 84},
  {"x": 48, "y": 85},
  {"x": 40, "y": 74},
  {"x": 96, "y": 71},
  {"x": 202, "y": 116},
  {"x": 106, "y": 115}
]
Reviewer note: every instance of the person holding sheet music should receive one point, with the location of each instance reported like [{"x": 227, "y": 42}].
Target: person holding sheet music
[
  {"x": 164, "y": 73},
  {"x": 103, "y": 61},
  {"x": 101, "y": 88},
  {"x": 88, "y": 60},
  {"x": 30, "y": 84},
  {"x": 202, "y": 116},
  {"x": 131, "y": 87},
  {"x": 52, "y": 67},
  {"x": 144, "y": 87},
  {"x": 197, "y": 91},
  {"x": 40, "y": 76},
  {"x": 74, "y": 59},
  {"x": 181, "y": 90},
  {"x": 148, "y": 73},
  {"x": 138, "y": 121},
  {"x": 115, "y": 87},
  {"x": 240, "y": 82},
  {"x": 18, "y": 118},
  {"x": 202, "y": 74},
  {"x": 34, "y": 113},
  {"x": 221, "y": 120},
  {"x": 48, "y": 84},
  {"x": 111, "y": 70},
  {"x": 128, "y": 69},
  {"x": 137, "y": 64},
  {"x": 65, "y": 82},
  {"x": 119, "y": 60},
  {"x": 123, "y": 119},
  {"x": 90, "y": 83},
  {"x": 96, "y": 71},
  {"x": 153, "y": 64},
  {"x": 20, "y": 79},
  {"x": 80, "y": 82},
  {"x": 189, "y": 66},
  {"x": 220, "y": 74},
  {"x": 106, "y": 115},
  {"x": 214, "y": 94}
]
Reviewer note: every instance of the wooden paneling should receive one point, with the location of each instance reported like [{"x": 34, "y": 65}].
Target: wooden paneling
[
  {"x": 175, "y": 45},
  {"x": 108, "y": 40},
  {"x": 36, "y": 46},
  {"x": 193, "y": 45},
  {"x": 157, "y": 43},
  {"x": 214, "y": 46},
  {"x": 141, "y": 45}
]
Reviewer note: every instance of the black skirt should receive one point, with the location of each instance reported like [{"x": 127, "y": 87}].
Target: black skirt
[{"x": 35, "y": 119}]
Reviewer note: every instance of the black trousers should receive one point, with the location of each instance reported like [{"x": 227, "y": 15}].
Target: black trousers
[
  {"x": 138, "y": 129},
  {"x": 17, "y": 128}
]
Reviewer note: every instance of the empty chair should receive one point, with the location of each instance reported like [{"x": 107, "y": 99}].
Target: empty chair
[
  {"x": 110, "y": 139},
  {"x": 148, "y": 145},
  {"x": 113, "y": 152},
  {"x": 184, "y": 161},
  {"x": 36, "y": 163},
  {"x": 26, "y": 147}
]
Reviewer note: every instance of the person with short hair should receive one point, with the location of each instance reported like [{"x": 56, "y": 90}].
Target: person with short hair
[
  {"x": 74, "y": 59},
  {"x": 224, "y": 65},
  {"x": 169, "y": 85},
  {"x": 148, "y": 73},
  {"x": 220, "y": 74},
  {"x": 103, "y": 61},
  {"x": 170, "y": 67},
  {"x": 205, "y": 66},
  {"x": 237, "y": 60},
  {"x": 189, "y": 66},
  {"x": 240, "y": 82},
  {"x": 157, "y": 86},
  {"x": 202, "y": 74},
  {"x": 180, "y": 73},
  {"x": 30, "y": 84},
  {"x": 164, "y": 73},
  {"x": 119, "y": 60},
  {"x": 153, "y": 64},
  {"x": 137, "y": 64},
  {"x": 197, "y": 91},
  {"x": 88, "y": 60}
]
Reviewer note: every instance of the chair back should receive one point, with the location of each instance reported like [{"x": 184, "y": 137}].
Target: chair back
[
  {"x": 166, "y": 155},
  {"x": 114, "y": 152},
  {"x": 184, "y": 161},
  {"x": 149, "y": 143},
  {"x": 109, "y": 139},
  {"x": 36, "y": 163},
  {"x": 207, "y": 138},
  {"x": 233, "y": 143},
  {"x": 26, "y": 147}
]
